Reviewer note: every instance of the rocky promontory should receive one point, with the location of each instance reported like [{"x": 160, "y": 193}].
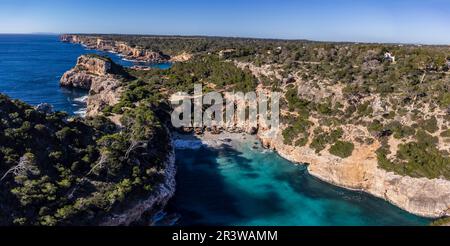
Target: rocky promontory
[
  {"x": 106, "y": 81},
  {"x": 100, "y": 76}
]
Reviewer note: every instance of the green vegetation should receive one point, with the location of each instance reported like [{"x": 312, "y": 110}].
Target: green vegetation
[
  {"x": 441, "y": 222},
  {"x": 430, "y": 125},
  {"x": 446, "y": 133},
  {"x": 297, "y": 129},
  {"x": 154, "y": 86},
  {"x": 424, "y": 161},
  {"x": 342, "y": 149},
  {"x": 209, "y": 70},
  {"x": 322, "y": 139},
  {"x": 418, "y": 159},
  {"x": 60, "y": 171}
]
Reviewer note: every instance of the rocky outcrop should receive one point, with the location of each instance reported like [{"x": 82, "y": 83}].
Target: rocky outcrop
[
  {"x": 103, "y": 93},
  {"x": 181, "y": 57},
  {"x": 87, "y": 69},
  {"x": 69, "y": 38},
  {"x": 95, "y": 73},
  {"x": 129, "y": 52},
  {"x": 139, "y": 53},
  {"x": 100, "y": 76}
]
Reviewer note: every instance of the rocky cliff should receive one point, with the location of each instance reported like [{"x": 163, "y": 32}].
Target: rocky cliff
[
  {"x": 105, "y": 82},
  {"x": 361, "y": 170},
  {"x": 420, "y": 196},
  {"x": 139, "y": 54},
  {"x": 96, "y": 74},
  {"x": 88, "y": 69}
]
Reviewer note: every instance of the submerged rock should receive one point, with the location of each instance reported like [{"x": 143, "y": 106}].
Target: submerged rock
[{"x": 44, "y": 108}]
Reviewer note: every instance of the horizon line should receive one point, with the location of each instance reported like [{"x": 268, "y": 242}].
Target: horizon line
[{"x": 231, "y": 37}]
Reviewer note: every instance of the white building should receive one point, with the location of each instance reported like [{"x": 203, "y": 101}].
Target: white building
[{"x": 389, "y": 57}]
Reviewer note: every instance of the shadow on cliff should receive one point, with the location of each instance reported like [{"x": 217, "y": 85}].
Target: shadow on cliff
[{"x": 205, "y": 197}]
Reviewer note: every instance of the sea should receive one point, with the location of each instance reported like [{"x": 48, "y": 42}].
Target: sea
[
  {"x": 32, "y": 65},
  {"x": 238, "y": 185}
]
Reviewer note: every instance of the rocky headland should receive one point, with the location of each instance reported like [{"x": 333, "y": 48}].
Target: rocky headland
[
  {"x": 105, "y": 81},
  {"x": 128, "y": 52},
  {"x": 100, "y": 76}
]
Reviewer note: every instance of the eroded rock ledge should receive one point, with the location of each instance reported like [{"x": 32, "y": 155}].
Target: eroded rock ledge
[{"x": 100, "y": 76}]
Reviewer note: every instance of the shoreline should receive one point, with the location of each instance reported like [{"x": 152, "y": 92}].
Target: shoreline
[
  {"x": 209, "y": 140},
  {"x": 234, "y": 140}
]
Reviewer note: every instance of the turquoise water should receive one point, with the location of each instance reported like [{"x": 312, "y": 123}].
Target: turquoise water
[
  {"x": 31, "y": 66},
  {"x": 247, "y": 186}
]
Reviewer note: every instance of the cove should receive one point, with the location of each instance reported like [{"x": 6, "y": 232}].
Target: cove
[{"x": 249, "y": 186}]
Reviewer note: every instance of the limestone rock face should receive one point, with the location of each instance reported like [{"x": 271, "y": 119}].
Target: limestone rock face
[
  {"x": 104, "y": 92},
  {"x": 132, "y": 53},
  {"x": 87, "y": 69},
  {"x": 181, "y": 58},
  {"x": 94, "y": 74},
  {"x": 68, "y": 38},
  {"x": 420, "y": 196},
  {"x": 139, "y": 54},
  {"x": 76, "y": 79}
]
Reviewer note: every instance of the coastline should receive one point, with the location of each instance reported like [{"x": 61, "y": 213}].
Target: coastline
[
  {"x": 212, "y": 141},
  {"x": 419, "y": 196}
]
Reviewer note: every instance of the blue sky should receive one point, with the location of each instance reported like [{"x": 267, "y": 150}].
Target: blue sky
[{"x": 408, "y": 21}]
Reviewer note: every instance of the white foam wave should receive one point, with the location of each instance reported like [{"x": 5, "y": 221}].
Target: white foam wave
[
  {"x": 81, "y": 112},
  {"x": 82, "y": 99}
]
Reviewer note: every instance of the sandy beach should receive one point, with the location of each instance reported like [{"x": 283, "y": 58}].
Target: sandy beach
[{"x": 209, "y": 140}]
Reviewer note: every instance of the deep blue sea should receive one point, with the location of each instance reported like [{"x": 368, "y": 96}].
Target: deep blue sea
[
  {"x": 230, "y": 186},
  {"x": 31, "y": 66}
]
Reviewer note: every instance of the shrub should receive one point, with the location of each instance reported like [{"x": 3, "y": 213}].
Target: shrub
[
  {"x": 430, "y": 125},
  {"x": 423, "y": 160},
  {"x": 342, "y": 149},
  {"x": 300, "y": 126},
  {"x": 441, "y": 222},
  {"x": 365, "y": 109},
  {"x": 319, "y": 142}
]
